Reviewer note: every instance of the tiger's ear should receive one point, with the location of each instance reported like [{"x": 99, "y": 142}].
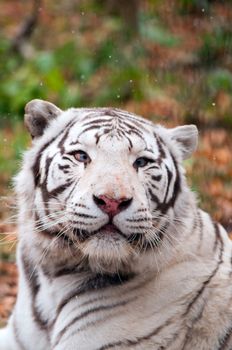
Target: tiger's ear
[
  {"x": 38, "y": 114},
  {"x": 186, "y": 137}
]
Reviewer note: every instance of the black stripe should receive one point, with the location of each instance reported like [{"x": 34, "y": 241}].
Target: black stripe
[
  {"x": 138, "y": 220},
  {"x": 169, "y": 174},
  {"x": 163, "y": 207},
  {"x": 87, "y": 313},
  {"x": 208, "y": 280},
  {"x": 119, "y": 114},
  {"x": 110, "y": 112},
  {"x": 35, "y": 166},
  {"x": 153, "y": 186},
  {"x": 120, "y": 133},
  {"x": 130, "y": 142},
  {"x": 190, "y": 327},
  {"x": 79, "y": 205},
  {"x": 69, "y": 158},
  {"x": 149, "y": 150},
  {"x": 58, "y": 190},
  {"x": 134, "y": 131},
  {"x": 31, "y": 276},
  {"x": 217, "y": 236},
  {"x": 226, "y": 341},
  {"x": 77, "y": 142},
  {"x": 131, "y": 127},
  {"x": 102, "y": 320},
  {"x": 99, "y": 281},
  {"x": 156, "y": 177},
  {"x": 97, "y": 138},
  {"x": 106, "y": 131},
  {"x": 102, "y": 112},
  {"x": 83, "y": 223},
  {"x": 95, "y": 121},
  {"x": 160, "y": 143},
  {"x": 131, "y": 288},
  {"x": 154, "y": 198},
  {"x": 61, "y": 167},
  {"x": 138, "y": 122},
  {"x": 47, "y": 166},
  {"x": 153, "y": 167},
  {"x": 143, "y": 210},
  {"x": 43, "y": 185},
  {"x": 139, "y": 340},
  {"x": 92, "y": 127},
  {"x": 66, "y": 132},
  {"x": 82, "y": 215},
  {"x": 71, "y": 192},
  {"x": 72, "y": 270}
]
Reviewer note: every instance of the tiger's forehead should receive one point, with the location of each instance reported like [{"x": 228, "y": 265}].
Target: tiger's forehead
[
  {"x": 115, "y": 125},
  {"x": 88, "y": 114}
]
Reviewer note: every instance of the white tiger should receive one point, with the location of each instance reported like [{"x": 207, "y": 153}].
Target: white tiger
[{"x": 113, "y": 252}]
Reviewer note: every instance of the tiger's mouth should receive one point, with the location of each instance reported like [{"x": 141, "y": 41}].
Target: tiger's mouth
[
  {"x": 110, "y": 228},
  {"x": 106, "y": 230}
]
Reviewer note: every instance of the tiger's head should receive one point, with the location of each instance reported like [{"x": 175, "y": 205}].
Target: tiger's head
[{"x": 103, "y": 183}]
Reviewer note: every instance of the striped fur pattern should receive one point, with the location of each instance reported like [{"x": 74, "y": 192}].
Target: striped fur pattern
[{"x": 153, "y": 274}]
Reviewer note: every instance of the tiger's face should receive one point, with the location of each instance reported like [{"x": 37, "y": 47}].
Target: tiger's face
[{"x": 105, "y": 181}]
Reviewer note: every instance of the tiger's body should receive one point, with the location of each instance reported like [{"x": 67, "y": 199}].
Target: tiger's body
[{"x": 113, "y": 251}]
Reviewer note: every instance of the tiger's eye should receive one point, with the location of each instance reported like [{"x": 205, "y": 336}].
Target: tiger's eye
[
  {"x": 141, "y": 162},
  {"x": 82, "y": 157}
]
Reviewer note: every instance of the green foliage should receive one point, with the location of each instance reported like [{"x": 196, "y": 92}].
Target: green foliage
[
  {"x": 216, "y": 46},
  {"x": 65, "y": 76},
  {"x": 153, "y": 31},
  {"x": 110, "y": 71},
  {"x": 220, "y": 80}
]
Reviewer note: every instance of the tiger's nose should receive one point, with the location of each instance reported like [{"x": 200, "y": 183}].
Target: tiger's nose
[{"x": 111, "y": 206}]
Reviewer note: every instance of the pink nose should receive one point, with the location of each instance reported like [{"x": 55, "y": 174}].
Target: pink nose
[{"x": 112, "y": 206}]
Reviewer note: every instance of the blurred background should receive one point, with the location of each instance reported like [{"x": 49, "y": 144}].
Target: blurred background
[{"x": 169, "y": 61}]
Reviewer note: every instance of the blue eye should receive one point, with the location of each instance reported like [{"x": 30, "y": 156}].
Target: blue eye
[
  {"x": 82, "y": 157},
  {"x": 141, "y": 162}
]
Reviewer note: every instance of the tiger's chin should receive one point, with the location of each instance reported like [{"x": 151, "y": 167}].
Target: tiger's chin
[{"x": 108, "y": 253}]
